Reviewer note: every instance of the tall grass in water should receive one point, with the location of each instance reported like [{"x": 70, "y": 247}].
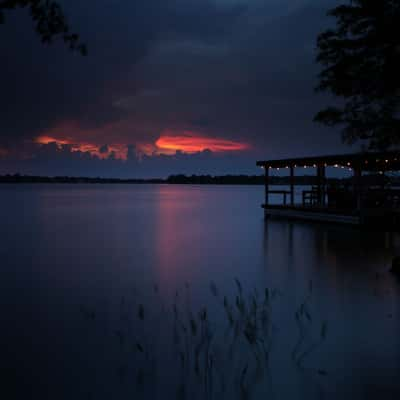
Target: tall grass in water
[{"x": 183, "y": 351}]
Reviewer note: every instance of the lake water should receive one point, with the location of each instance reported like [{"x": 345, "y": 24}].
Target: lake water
[{"x": 76, "y": 260}]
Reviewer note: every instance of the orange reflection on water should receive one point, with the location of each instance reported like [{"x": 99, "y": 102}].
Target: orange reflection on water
[
  {"x": 178, "y": 232},
  {"x": 3, "y": 152}
]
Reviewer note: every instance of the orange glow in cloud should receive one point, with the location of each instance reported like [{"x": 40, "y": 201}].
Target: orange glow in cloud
[
  {"x": 94, "y": 149},
  {"x": 3, "y": 152},
  {"x": 192, "y": 143},
  {"x": 47, "y": 139},
  {"x": 90, "y": 141}
]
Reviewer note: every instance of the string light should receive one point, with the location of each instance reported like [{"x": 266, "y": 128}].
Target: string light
[{"x": 351, "y": 165}]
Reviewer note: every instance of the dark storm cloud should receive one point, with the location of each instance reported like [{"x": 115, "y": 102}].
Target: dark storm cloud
[
  {"x": 256, "y": 84},
  {"x": 43, "y": 85},
  {"x": 241, "y": 70},
  {"x": 103, "y": 149}
]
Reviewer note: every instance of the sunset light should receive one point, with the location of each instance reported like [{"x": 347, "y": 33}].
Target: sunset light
[
  {"x": 119, "y": 150},
  {"x": 168, "y": 143},
  {"x": 47, "y": 139},
  {"x": 189, "y": 143}
]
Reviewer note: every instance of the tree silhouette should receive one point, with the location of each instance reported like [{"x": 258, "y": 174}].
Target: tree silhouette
[
  {"x": 361, "y": 66},
  {"x": 50, "y": 22}
]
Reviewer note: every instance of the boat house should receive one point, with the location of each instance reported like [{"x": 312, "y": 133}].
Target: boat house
[{"x": 370, "y": 196}]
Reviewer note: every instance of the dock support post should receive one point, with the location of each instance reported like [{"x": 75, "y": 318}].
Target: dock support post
[
  {"x": 266, "y": 182},
  {"x": 321, "y": 184},
  {"x": 291, "y": 185},
  {"x": 266, "y": 185},
  {"x": 357, "y": 186},
  {"x": 323, "y": 177}
]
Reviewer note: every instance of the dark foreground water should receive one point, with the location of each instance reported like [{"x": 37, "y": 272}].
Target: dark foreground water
[{"x": 78, "y": 261}]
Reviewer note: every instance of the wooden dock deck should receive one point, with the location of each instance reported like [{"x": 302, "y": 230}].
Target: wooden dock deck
[{"x": 311, "y": 214}]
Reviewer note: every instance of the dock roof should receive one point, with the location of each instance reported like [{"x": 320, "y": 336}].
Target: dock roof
[{"x": 366, "y": 161}]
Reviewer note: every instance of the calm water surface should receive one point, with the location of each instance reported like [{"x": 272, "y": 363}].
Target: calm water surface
[{"x": 68, "y": 248}]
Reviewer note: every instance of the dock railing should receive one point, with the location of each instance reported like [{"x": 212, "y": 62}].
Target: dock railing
[{"x": 284, "y": 194}]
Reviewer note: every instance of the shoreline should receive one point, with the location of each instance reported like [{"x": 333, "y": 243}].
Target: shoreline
[{"x": 240, "y": 180}]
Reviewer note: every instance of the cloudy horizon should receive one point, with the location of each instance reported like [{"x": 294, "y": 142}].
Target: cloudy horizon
[{"x": 168, "y": 87}]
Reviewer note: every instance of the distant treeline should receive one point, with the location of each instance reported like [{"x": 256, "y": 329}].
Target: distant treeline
[
  {"x": 17, "y": 178},
  {"x": 238, "y": 180},
  {"x": 173, "y": 179}
]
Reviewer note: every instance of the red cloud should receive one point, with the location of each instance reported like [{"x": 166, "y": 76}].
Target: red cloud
[
  {"x": 119, "y": 150},
  {"x": 91, "y": 140},
  {"x": 193, "y": 143}
]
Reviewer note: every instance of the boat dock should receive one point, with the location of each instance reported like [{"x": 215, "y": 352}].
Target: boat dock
[{"x": 369, "y": 197}]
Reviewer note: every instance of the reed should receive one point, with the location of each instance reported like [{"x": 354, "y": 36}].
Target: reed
[{"x": 208, "y": 360}]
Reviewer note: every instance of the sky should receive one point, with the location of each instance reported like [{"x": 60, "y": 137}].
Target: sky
[{"x": 177, "y": 86}]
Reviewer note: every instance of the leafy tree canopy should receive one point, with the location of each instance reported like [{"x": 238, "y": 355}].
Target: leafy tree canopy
[
  {"x": 50, "y": 22},
  {"x": 361, "y": 66}
]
